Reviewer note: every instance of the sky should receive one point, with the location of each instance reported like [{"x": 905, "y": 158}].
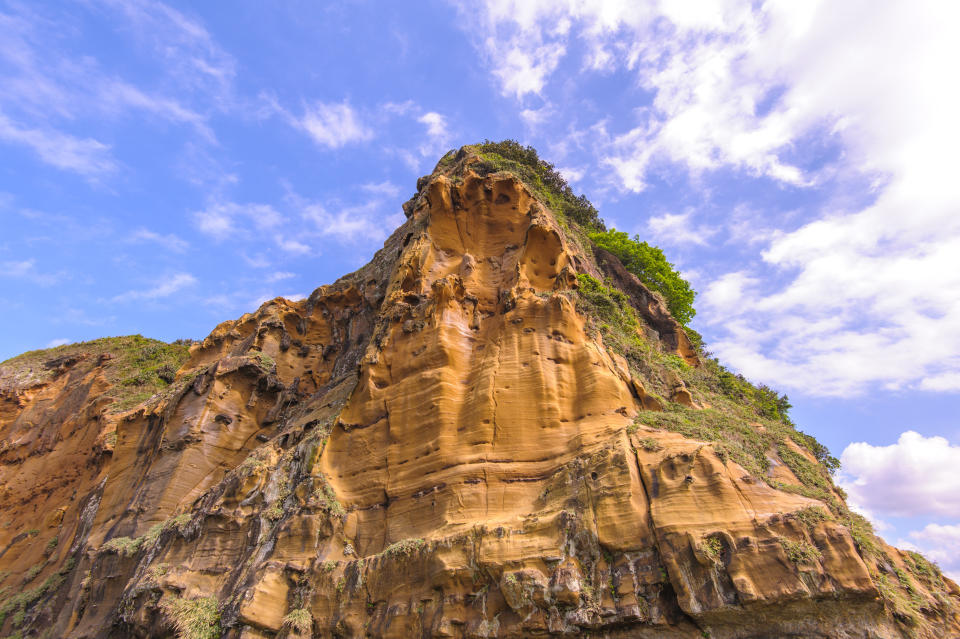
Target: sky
[{"x": 167, "y": 166}]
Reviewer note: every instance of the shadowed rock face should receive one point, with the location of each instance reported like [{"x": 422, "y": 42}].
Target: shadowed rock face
[{"x": 438, "y": 445}]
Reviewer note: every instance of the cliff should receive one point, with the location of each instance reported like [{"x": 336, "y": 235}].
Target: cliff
[{"x": 493, "y": 429}]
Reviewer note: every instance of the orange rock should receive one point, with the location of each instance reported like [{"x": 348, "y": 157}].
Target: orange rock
[{"x": 438, "y": 445}]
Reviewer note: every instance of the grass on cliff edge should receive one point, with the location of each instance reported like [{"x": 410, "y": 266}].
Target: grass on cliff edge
[
  {"x": 138, "y": 367},
  {"x": 542, "y": 177}
]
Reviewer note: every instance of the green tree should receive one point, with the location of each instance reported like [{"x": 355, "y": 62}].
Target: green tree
[{"x": 650, "y": 265}]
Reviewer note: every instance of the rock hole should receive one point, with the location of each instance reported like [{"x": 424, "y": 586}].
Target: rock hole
[{"x": 594, "y": 475}]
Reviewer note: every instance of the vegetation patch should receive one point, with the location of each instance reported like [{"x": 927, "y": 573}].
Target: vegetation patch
[
  {"x": 328, "y": 498},
  {"x": 732, "y": 437},
  {"x": 136, "y": 366},
  {"x": 126, "y": 546},
  {"x": 801, "y": 552},
  {"x": 649, "y": 444},
  {"x": 713, "y": 548},
  {"x": 651, "y": 267},
  {"x": 193, "y": 618},
  {"x": 811, "y": 516},
  {"x": 898, "y": 602},
  {"x": 764, "y": 401},
  {"x": 542, "y": 178},
  {"x": 405, "y": 547},
  {"x": 300, "y": 620},
  {"x": 263, "y": 360},
  {"x": 615, "y": 318},
  {"x": 20, "y": 602}
]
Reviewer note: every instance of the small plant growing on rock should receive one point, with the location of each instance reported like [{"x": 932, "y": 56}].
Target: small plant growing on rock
[
  {"x": 801, "y": 552},
  {"x": 405, "y": 547},
  {"x": 263, "y": 360},
  {"x": 328, "y": 498},
  {"x": 32, "y": 573},
  {"x": 193, "y": 618},
  {"x": 811, "y": 516},
  {"x": 300, "y": 620},
  {"x": 713, "y": 548},
  {"x": 650, "y": 445},
  {"x": 123, "y": 546}
]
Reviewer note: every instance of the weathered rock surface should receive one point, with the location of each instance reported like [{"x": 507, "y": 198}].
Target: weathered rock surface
[{"x": 438, "y": 445}]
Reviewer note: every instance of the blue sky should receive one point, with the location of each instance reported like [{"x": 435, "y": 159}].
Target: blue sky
[{"x": 168, "y": 166}]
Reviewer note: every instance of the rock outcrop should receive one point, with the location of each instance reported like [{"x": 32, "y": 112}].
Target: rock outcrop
[{"x": 448, "y": 442}]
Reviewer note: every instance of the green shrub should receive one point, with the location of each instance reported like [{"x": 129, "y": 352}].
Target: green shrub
[
  {"x": 18, "y": 603},
  {"x": 193, "y": 618},
  {"x": 650, "y": 265},
  {"x": 764, "y": 400}
]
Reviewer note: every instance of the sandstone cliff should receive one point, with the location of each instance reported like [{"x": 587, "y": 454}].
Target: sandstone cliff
[{"x": 491, "y": 430}]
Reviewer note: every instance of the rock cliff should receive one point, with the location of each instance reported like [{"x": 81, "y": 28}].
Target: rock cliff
[{"x": 493, "y": 429}]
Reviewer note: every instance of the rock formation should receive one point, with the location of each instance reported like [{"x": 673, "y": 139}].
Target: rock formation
[{"x": 490, "y": 430}]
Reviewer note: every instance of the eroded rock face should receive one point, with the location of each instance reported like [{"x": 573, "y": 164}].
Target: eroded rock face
[{"x": 438, "y": 445}]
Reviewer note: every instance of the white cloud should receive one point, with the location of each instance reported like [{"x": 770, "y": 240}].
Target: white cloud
[
  {"x": 189, "y": 52},
  {"x": 258, "y": 260},
  {"x": 571, "y": 174},
  {"x": 437, "y": 141},
  {"x": 223, "y": 219},
  {"x": 944, "y": 382},
  {"x": 537, "y": 117},
  {"x": 85, "y": 156},
  {"x": 334, "y": 125},
  {"x": 939, "y": 543},
  {"x": 19, "y": 268},
  {"x": 27, "y": 270},
  {"x": 678, "y": 228},
  {"x": 727, "y": 291},
  {"x": 862, "y": 297},
  {"x": 351, "y": 223},
  {"x": 291, "y": 245},
  {"x": 57, "y": 342},
  {"x": 386, "y": 189},
  {"x": 163, "y": 288},
  {"x": 436, "y": 124},
  {"x": 53, "y": 85},
  {"x": 169, "y": 241},
  {"x": 280, "y": 275},
  {"x": 916, "y": 476}
]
